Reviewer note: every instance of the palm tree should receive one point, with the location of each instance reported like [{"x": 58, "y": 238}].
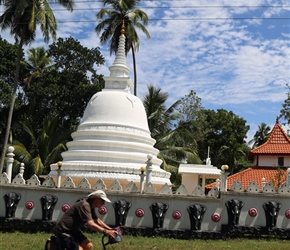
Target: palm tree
[
  {"x": 122, "y": 11},
  {"x": 37, "y": 63},
  {"x": 22, "y": 18},
  {"x": 160, "y": 118},
  {"x": 231, "y": 154},
  {"x": 44, "y": 148},
  {"x": 177, "y": 146},
  {"x": 261, "y": 135}
]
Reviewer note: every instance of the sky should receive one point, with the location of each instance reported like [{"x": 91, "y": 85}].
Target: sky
[{"x": 234, "y": 54}]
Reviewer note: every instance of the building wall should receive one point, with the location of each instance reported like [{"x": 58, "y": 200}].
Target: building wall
[
  {"x": 271, "y": 161},
  {"x": 190, "y": 181},
  {"x": 176, "y": 203}
]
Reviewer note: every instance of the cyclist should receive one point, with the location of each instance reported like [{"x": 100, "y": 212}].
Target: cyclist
[{"x": 68, "y": 228}]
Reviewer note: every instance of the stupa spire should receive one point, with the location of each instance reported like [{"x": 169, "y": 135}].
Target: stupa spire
[
  {"x": 120, "y": 60},
  {"x": 119, "y": 71},
  {"x": 123, "y": 28}
]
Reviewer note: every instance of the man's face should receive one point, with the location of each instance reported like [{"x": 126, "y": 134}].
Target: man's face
[{"x": 98, "y": 202}]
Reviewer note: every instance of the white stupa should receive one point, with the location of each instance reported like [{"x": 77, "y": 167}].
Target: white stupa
[{"x": 113, "y": 140}]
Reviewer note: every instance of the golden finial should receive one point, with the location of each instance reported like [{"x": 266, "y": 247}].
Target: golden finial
[
  {"x": 225, "y": 167},
  {"x": 59, "y": 164},
  {"x": 143, "y": 169},
  {"x": 123, "y": 29}
]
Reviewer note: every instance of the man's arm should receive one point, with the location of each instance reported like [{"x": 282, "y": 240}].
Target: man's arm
[
  {"x": 101, "y": 227},
  {"x": 102, "y": 224}
]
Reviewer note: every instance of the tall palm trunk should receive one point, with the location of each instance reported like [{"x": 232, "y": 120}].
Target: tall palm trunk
[
  {"x": 135, "y": 70},
  {"x": 11, "y": 109}
]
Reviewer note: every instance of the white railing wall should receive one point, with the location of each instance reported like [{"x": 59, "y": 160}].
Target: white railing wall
[{"x": 176, "y": 217}]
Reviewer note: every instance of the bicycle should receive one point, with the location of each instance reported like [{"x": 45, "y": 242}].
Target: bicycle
[{"x": 54, "y": 242}]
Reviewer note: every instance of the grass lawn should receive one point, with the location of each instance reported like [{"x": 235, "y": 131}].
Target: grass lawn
[{"x": 36, "y": 241}]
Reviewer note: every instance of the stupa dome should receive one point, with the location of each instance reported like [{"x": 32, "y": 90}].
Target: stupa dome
[{"x": 117, "y": 109}]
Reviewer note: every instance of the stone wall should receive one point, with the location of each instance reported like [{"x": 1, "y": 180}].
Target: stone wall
[{"x": 180, "y": 214}]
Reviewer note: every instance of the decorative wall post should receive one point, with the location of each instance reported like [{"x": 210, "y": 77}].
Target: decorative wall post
[
  {"x": 218, "y": 183},
  {"x": 149, "y": 169},
  {"x": 142, "y": 175},
  {"x": 22, "y": 168},
  {"x": 59, "y": 170},
  {"x": 263, "y": 182},
  {"x": 10, "y": 161},
  {"x": 288, "y": 177},
  {"x": 224, "y": 177}
]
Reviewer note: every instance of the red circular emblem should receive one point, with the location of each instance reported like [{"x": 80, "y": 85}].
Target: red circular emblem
[
  {"x": 176, "y": 215},
  {"x": 29, "y": 205},
  {"x": 216, "y": 217},
  {"x": 139, "y": 212},
  {"x": 65, "y": 207},
  {"x": 103, "y": 210},
  {"x": 253, "y": 212},
  {"x": 287, "y": 214}
]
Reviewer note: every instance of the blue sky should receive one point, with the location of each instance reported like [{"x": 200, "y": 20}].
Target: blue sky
[{"x": 234, "y": 54}]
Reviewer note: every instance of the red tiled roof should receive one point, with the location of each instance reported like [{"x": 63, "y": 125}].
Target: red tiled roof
[
  {"x": 254, "y": 174},
  {"x": 277, "y": 143}
]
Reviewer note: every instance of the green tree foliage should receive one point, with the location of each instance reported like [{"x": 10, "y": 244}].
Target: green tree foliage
[
  {"x": 190, "y": 108},
  {"x": 177, "y": 146},
  {"x": 111, "y": 20},
  {"x": 160, "y": 118},
  {"x": 225, "y": 135},
  {"x": 261, "y": 135},
  {"x": 21, "y": 17},
  {"x": 8, "y": 55},
  {"x": 208, "y": 126},
  {"x": 64, "y": 89},
  {"x": 7, "y": 65},
  {"x": 242, "y": 161},
  {"x": 42, "y": 148},
  {"x": 285, "y": 111},
  {"x": 37, "y": 62},
  {"x": 175, "y": 143}
]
